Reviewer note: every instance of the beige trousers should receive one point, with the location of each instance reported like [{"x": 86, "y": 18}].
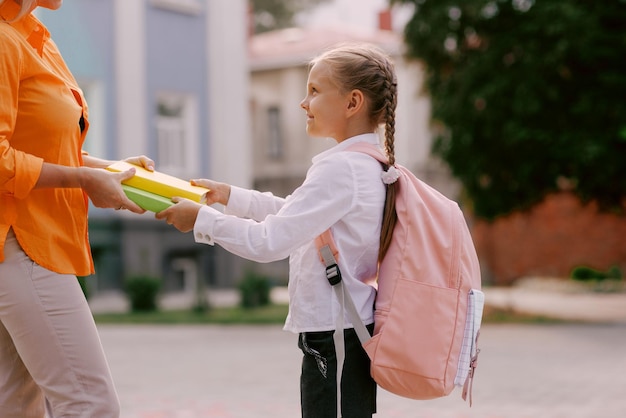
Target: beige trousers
[{"x": 51, "y": 357}]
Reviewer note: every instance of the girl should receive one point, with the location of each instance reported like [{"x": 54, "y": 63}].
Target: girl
[
  {"x": 50, "y": 352},
  {"x": 351, "y": 91}
]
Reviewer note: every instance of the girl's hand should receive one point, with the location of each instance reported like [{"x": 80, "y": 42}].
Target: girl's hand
[
  {"x": 218, "y": 192},
  {"x": 182, "y": 214}
]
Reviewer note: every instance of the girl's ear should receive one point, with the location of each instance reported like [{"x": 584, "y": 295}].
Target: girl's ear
[{"x": 356, "y": 101}]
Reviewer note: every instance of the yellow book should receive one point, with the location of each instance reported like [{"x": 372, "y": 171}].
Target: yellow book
[{"x": 160, "y": 183}]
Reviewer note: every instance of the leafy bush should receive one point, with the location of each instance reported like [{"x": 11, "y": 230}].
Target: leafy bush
[
  {"x": 584, "y": 273},
  {"x": 142, "y": 291},
  {"x": 527, "y": 97},
  {"x": 255, "y": 290}
]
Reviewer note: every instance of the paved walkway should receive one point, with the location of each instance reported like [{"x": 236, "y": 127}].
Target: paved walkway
[
  {"x": 525, "y": 371},
  {"x": 562, "y": 301},
  {"x": 575, "y": 370}
]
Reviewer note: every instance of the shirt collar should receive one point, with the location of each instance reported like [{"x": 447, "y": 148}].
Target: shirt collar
[
  {"x": 29, "y": 26},
  {"x": 370, "y": 138}
]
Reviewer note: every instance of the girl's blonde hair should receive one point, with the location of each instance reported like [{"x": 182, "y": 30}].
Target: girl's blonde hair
[
  {"x": 366, "y": 68},
  {"x": 25, "y": 8}
]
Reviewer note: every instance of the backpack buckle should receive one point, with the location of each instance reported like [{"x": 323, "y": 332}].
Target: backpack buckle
[{"x": 333, "y": 274}]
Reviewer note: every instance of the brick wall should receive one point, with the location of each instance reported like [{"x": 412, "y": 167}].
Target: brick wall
[{"x": 550, "y": 240}]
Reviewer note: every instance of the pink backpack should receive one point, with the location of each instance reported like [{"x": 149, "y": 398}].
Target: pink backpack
[{"x": 429, "y": 304}]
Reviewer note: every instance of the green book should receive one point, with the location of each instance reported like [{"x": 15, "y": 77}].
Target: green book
[{"x": 147, "y": 200}]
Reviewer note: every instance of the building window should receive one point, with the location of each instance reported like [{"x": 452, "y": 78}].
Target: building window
[
  {"x": 274, "y": 134},
  {"x": 188, "y": 7},
  {"x": 176, "y": 135}
]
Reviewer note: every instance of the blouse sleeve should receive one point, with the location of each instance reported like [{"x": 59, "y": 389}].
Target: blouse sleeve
[
  {"x": 19, "y": 171},
  {"x": 326, "y": 196},
  {"x": 252, "y": 204}
]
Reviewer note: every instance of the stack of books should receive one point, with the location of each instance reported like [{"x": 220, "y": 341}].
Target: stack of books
[{"x": 153, "y": 191}]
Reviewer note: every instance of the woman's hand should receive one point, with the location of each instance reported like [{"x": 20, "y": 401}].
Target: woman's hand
[
  {"x": 182, "y": 214},
  {"x": 142, "y": 161},
  {"x": 218, "y": 192},
  {"x": 104, "y": 188},
  {"x": 109, "y": 192}
]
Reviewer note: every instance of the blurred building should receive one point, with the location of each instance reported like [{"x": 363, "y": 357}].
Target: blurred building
[
  {"x": 168, "y": 79},
  {"x": 184, "y": 82}
]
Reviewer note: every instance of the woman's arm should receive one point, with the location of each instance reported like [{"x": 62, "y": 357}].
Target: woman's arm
[{"x": 103, "y": 187}]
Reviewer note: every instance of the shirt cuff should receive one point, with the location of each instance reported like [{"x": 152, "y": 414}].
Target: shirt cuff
[
  {"x": 28, "y": 170},
  {"x": 203, "y": 227}
]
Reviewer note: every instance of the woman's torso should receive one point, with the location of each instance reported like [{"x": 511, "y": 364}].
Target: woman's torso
[{"x": 41, "y": 106}]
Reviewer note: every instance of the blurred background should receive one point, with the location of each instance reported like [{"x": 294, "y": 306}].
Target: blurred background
[{"x": 513, "y": 108}]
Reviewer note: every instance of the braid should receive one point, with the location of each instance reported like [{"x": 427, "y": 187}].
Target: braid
[
  {"x": 391, "y": 100},
  {"x": 390, "y": 216}
]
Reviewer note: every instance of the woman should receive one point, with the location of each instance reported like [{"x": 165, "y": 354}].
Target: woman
[{"x": 50, "y": 353}]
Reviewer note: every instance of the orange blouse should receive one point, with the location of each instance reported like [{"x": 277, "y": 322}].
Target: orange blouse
[{"x": 40, "y": 109}]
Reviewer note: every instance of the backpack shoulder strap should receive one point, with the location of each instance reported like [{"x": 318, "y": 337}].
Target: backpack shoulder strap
[
  {"x": 329, "y": 254},
  {"x": 325, "y": 241},
  {"x": 369, "y": 149}
]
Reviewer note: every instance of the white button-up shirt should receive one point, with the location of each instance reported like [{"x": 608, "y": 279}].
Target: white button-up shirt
[{"x": 342, "y": 191}]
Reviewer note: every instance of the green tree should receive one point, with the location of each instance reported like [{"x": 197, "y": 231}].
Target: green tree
[
  {"x": 528, "y": 96},
  {"x": 278, "y": 14}
]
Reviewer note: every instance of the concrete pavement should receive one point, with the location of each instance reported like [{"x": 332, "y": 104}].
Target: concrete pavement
[
  {"x": 575, "y": 370},
  {"x": 567, "y": 305},
  {"x": 525, "y": 371}
]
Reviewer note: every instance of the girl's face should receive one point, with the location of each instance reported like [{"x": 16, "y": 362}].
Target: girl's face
[{"x": 325, "y": 105}]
